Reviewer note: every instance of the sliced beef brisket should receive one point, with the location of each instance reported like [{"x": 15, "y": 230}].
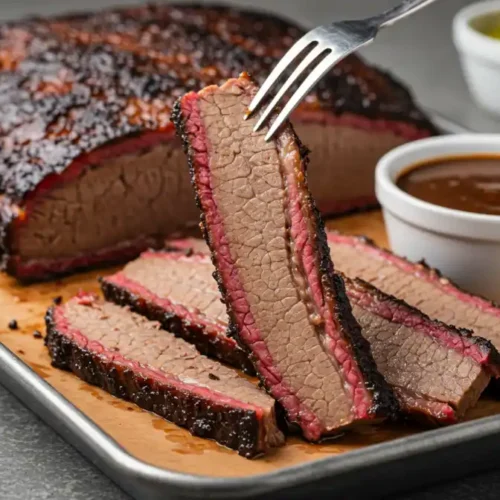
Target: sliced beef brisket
[
  {"x": 89, "y": 170},
  {"x": 275, "y": 274},
  {"x": 416, "y": 284},
  {"x": 437, "y": 371},
  {"x": 130, "y": 357},
  {"x": 176, "y": 290}
]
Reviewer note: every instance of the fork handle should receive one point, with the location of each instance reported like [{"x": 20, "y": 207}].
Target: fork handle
[{"x": 404, "y": 9}]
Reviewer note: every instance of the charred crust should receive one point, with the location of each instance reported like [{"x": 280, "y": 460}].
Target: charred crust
[
  {"x": 180, "y": 126},
  {"x": 211, "y": 346},
  {"x": 13, "y": 324},
  {"x": 232, "y": 427},
  {"x": 385, "y": 403},
  {"x": 483, "y": 344},
  {"x": 178, "y": 120}
]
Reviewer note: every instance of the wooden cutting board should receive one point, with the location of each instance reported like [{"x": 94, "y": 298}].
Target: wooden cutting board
[{"x": 150, "y": 438}]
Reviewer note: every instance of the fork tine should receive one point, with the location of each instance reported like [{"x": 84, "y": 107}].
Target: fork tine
[
  {"x": 276, "y": 73},
  {"x": 309, "y": 59},
  {"x": 321, "y": 69}
]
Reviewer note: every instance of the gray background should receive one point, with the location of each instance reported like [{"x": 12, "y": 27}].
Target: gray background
[{"x": 34, "y": 462}]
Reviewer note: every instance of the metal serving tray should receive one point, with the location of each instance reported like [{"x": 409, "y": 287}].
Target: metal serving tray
[{"x": 380, "y": 469}]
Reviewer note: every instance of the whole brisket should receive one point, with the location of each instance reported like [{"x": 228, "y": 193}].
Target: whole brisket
[
  {"x": 436, "y": 370},
  {"x": 417, "y": 284},
  {"x": 268, "y": 245},
  {"x": 131, "y": 358},
  {"x": 90, "y": 171}
]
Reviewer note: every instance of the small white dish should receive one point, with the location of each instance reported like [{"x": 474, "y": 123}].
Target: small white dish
[
  {"x": 464, "y": 246},
  {"x": 479, "y": 53}
]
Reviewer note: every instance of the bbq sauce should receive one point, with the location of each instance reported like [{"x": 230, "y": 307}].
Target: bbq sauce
[{"x": 469, "y": 183}]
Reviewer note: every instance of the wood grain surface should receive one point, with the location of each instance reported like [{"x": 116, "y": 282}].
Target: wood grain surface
[{"x": 151, "y": 438}]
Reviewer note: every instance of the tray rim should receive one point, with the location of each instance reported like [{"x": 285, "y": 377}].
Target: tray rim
[{"x": 136, "y": 476}]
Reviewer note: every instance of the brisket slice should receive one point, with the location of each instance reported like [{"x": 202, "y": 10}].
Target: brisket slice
[
  {"x": 176, "y": 291},
  {"x": 273, "y": 267},
  {"x": 130, "y": 357},
  {"x": 436, "y": 370},
  {"x": 417, "y": 284},
  {"x": 89, "y": 170}
]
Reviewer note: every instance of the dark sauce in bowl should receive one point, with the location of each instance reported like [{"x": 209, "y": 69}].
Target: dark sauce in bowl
[{"x": 469, "y": 183}]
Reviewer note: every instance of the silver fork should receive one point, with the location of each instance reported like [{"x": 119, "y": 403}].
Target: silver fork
[{"x": 328, "y": 45}]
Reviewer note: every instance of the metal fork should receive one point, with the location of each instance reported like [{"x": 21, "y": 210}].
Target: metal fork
[{"x": 328, "y": 45}]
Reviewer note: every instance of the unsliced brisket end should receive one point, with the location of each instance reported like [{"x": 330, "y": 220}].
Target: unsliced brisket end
[
  {"x": 176, "y": 291},
  {"x": 417, "y": 284},
  {"x": 132, "y": 358},
  {"x": 437, "y": 370},
  {"x": 268, "y": 245},
  {"x": 85, "y": 132}
]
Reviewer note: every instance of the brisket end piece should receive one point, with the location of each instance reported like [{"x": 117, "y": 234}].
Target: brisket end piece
[
  {"x": 168, "y": 287},
  {"x": 437, "y": 370},
  {"x": 130, "y": 357},
  {"x": 269, "y": 248},
  {"x": 417, "y": 284}
]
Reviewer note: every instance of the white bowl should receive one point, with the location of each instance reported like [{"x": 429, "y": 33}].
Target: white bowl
[
  {"x": 479, "y": 53},
  {"x": 464, "y": 246}
]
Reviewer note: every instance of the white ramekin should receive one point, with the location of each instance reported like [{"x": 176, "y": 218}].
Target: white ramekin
[
  {"x": 479, "y": 53},
  {"x": 464, "y": 246}
]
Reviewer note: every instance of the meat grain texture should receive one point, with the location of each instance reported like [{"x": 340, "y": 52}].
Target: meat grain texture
[
  {"x": 268, "y": 244},
  {"x": 90, "y": 169},
  {"x": 132, "y": 358}
]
